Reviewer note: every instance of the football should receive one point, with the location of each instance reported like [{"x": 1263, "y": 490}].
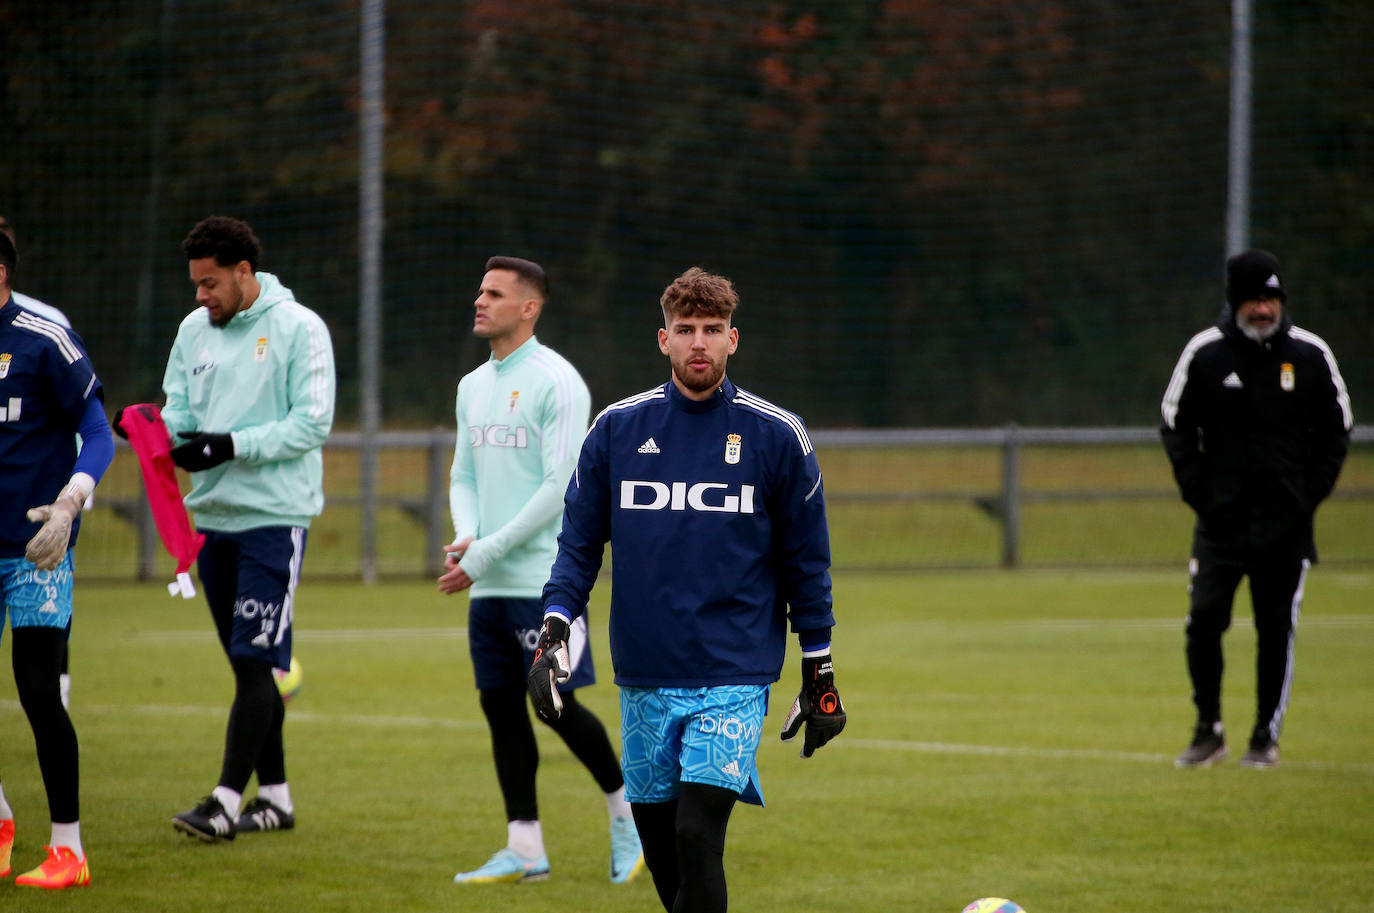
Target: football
[
  {"x": 288, "y": 680},
  {"x": 993, "y": 905}
]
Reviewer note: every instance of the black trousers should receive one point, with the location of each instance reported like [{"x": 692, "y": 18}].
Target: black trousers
[
  {"x": 517, "y": 754},
  {"x": 1276, "y": 589},
  {"x": 37, "y": 654},
  {"x": 684, "y": 847}
]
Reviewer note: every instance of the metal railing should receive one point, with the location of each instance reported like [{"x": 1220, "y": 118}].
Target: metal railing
[{"x": 1004, "y": 503}]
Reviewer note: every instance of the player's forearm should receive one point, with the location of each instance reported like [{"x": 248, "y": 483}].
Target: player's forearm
[
  {"x": 539, "y": 511},
  {"x": 305, "y": 428},
  {"x": 535, "y": 516},
  {"x": 572, "y": 576},
  {"x": 97, "y": 444},
  {"x": 814, "y": 641},
  {"x": 462, "y": 505}
]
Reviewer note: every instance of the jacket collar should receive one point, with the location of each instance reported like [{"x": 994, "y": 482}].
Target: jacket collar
[
  {"x": 523, "y": 351},
  {"x": 270, "y": 293},
  {"x": 723, "y": 395}
]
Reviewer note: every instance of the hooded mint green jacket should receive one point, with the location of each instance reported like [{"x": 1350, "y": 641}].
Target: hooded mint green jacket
[{"x": 267, "y": 378}]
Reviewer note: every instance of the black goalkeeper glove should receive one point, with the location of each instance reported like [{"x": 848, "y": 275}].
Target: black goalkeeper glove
[
  {"x": 818, "y": 706},
  {"x": 549, "y": 669},
  {"x": 204, "y": 450}
]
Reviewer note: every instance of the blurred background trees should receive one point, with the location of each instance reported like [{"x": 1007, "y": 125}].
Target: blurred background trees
[{"x": 936, "y": 212}]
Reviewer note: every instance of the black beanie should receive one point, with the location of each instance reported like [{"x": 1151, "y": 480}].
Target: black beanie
[{"x": 1251, "y": 274}]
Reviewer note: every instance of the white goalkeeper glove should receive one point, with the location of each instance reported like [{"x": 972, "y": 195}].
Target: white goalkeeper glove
[
  {"x": 49, "y": 544},
  {"x": 550, "y": 668}
]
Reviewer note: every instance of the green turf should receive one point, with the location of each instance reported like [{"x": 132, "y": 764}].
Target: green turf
[{"x": 1011, "y": 734}]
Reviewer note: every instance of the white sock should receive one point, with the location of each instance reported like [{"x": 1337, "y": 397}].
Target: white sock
[
  {"x": 617, "y": 806},
  {"x": 68, "y": 835},
  {"x": 229, "y": 799},
  {"x": 6, "y": 813},
  {"x": 526, "y": 838},
  {"x": 279, "y": 794}
]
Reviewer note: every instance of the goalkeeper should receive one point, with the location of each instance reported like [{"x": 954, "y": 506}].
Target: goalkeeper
[
  {"x": 49, "y": 392},
  {"x": 711, "y": 499}
]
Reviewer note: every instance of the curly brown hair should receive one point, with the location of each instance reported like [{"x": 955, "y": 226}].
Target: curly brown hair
[
  {"x": 697, "y": 293},
  {"x": 229, "y": 241}
]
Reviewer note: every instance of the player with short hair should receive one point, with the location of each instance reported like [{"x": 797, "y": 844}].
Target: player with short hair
[
  {"x": 28, "y": 302},
  {"x": 250, "y": 395},
  {"x": 47, "y": 311},
  {"x": 49, "y": 393},
  {"x": 712, "y": 502},
  {"x": 521, "y": 416}
]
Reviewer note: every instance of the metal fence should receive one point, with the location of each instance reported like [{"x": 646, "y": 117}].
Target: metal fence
[{"x": 972, "y": 504}]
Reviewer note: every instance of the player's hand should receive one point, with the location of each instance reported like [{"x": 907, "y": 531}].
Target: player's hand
[
  {"x": 455, "y": 579},
  {"x": 203, "y": 450},
  {"x": 818, "y": 706},
  {"x": 49, "y": 544},
  {"x": 549, "y": 669}
]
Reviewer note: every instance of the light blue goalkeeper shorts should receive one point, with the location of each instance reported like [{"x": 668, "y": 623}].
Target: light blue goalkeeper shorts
[
  {"x": 34, "y": 598},
  {"x": 671, "y": 736}
]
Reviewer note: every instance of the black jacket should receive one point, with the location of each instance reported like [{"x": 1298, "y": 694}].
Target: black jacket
[{"x": 1257, "y": 433}]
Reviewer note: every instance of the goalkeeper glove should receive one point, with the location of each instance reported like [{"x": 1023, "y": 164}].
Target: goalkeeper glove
[
  {"x": 49, "y": 544},
  {"x": 818, "y": 706},
  {"x": 550, "y": 668},
  {"x": 204, "y": 450}
]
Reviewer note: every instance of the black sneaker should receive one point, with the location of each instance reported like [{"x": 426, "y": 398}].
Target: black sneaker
[
  {"x": 1208, "y": 747},
  {"x": 261, "y": 815},
  {"x": 1261, "y": 754},
  {"x": 208, "y": 821}
]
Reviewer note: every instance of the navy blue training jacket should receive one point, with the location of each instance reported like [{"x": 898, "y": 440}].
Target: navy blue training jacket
[
  {"x": 716, "y": 518},
  {"x": 46, "y": 387}
]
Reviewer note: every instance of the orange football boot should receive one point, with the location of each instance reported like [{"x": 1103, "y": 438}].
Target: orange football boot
[
  {"x": 6, "y": 844},
  {"x": 62, "y": 869}
]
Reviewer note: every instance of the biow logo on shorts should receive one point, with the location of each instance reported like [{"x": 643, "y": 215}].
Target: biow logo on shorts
[
  {"x": 255, "y": 608},
  {"x": 638, "y": 495}
]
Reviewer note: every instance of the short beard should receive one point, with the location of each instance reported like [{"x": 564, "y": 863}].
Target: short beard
[
  {"x": 702, "y": 383},
  {"x": 238, "y": 306},
  {"x": 1254, "y": 333}
]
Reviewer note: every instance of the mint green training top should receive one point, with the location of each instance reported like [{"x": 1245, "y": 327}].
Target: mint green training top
[
  {"x": 521, "y": 421},
  {"x": 267, "y": 377}
]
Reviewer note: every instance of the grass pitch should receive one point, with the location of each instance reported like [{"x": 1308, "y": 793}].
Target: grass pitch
[{"x": 1011, "y": 734}]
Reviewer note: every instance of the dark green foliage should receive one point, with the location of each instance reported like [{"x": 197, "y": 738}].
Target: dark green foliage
[{"x": 936, "y": 213}]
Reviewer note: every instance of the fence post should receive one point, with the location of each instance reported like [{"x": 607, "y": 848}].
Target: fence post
[
  {"x": 372, "y": 40},
  {"x": 147, "y": 534},
  {"x": 436, "y": 512},
  {"x": 1011, "y": 496}
]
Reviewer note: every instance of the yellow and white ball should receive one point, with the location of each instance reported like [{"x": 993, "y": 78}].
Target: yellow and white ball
[
  {"x": 993, "y": 905},
  {"x": 288, "y": 680}
]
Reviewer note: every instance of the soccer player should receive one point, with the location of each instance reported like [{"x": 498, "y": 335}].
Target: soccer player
[
  {"x": 250, "y": 399},
  {"x": 711, "y": 500},
  {"x": 48, "y": 312},
  {"x": 49, "y": 392},
  {"x": 1256, "y": 424},
  {"x": 521, "y": 416}
]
